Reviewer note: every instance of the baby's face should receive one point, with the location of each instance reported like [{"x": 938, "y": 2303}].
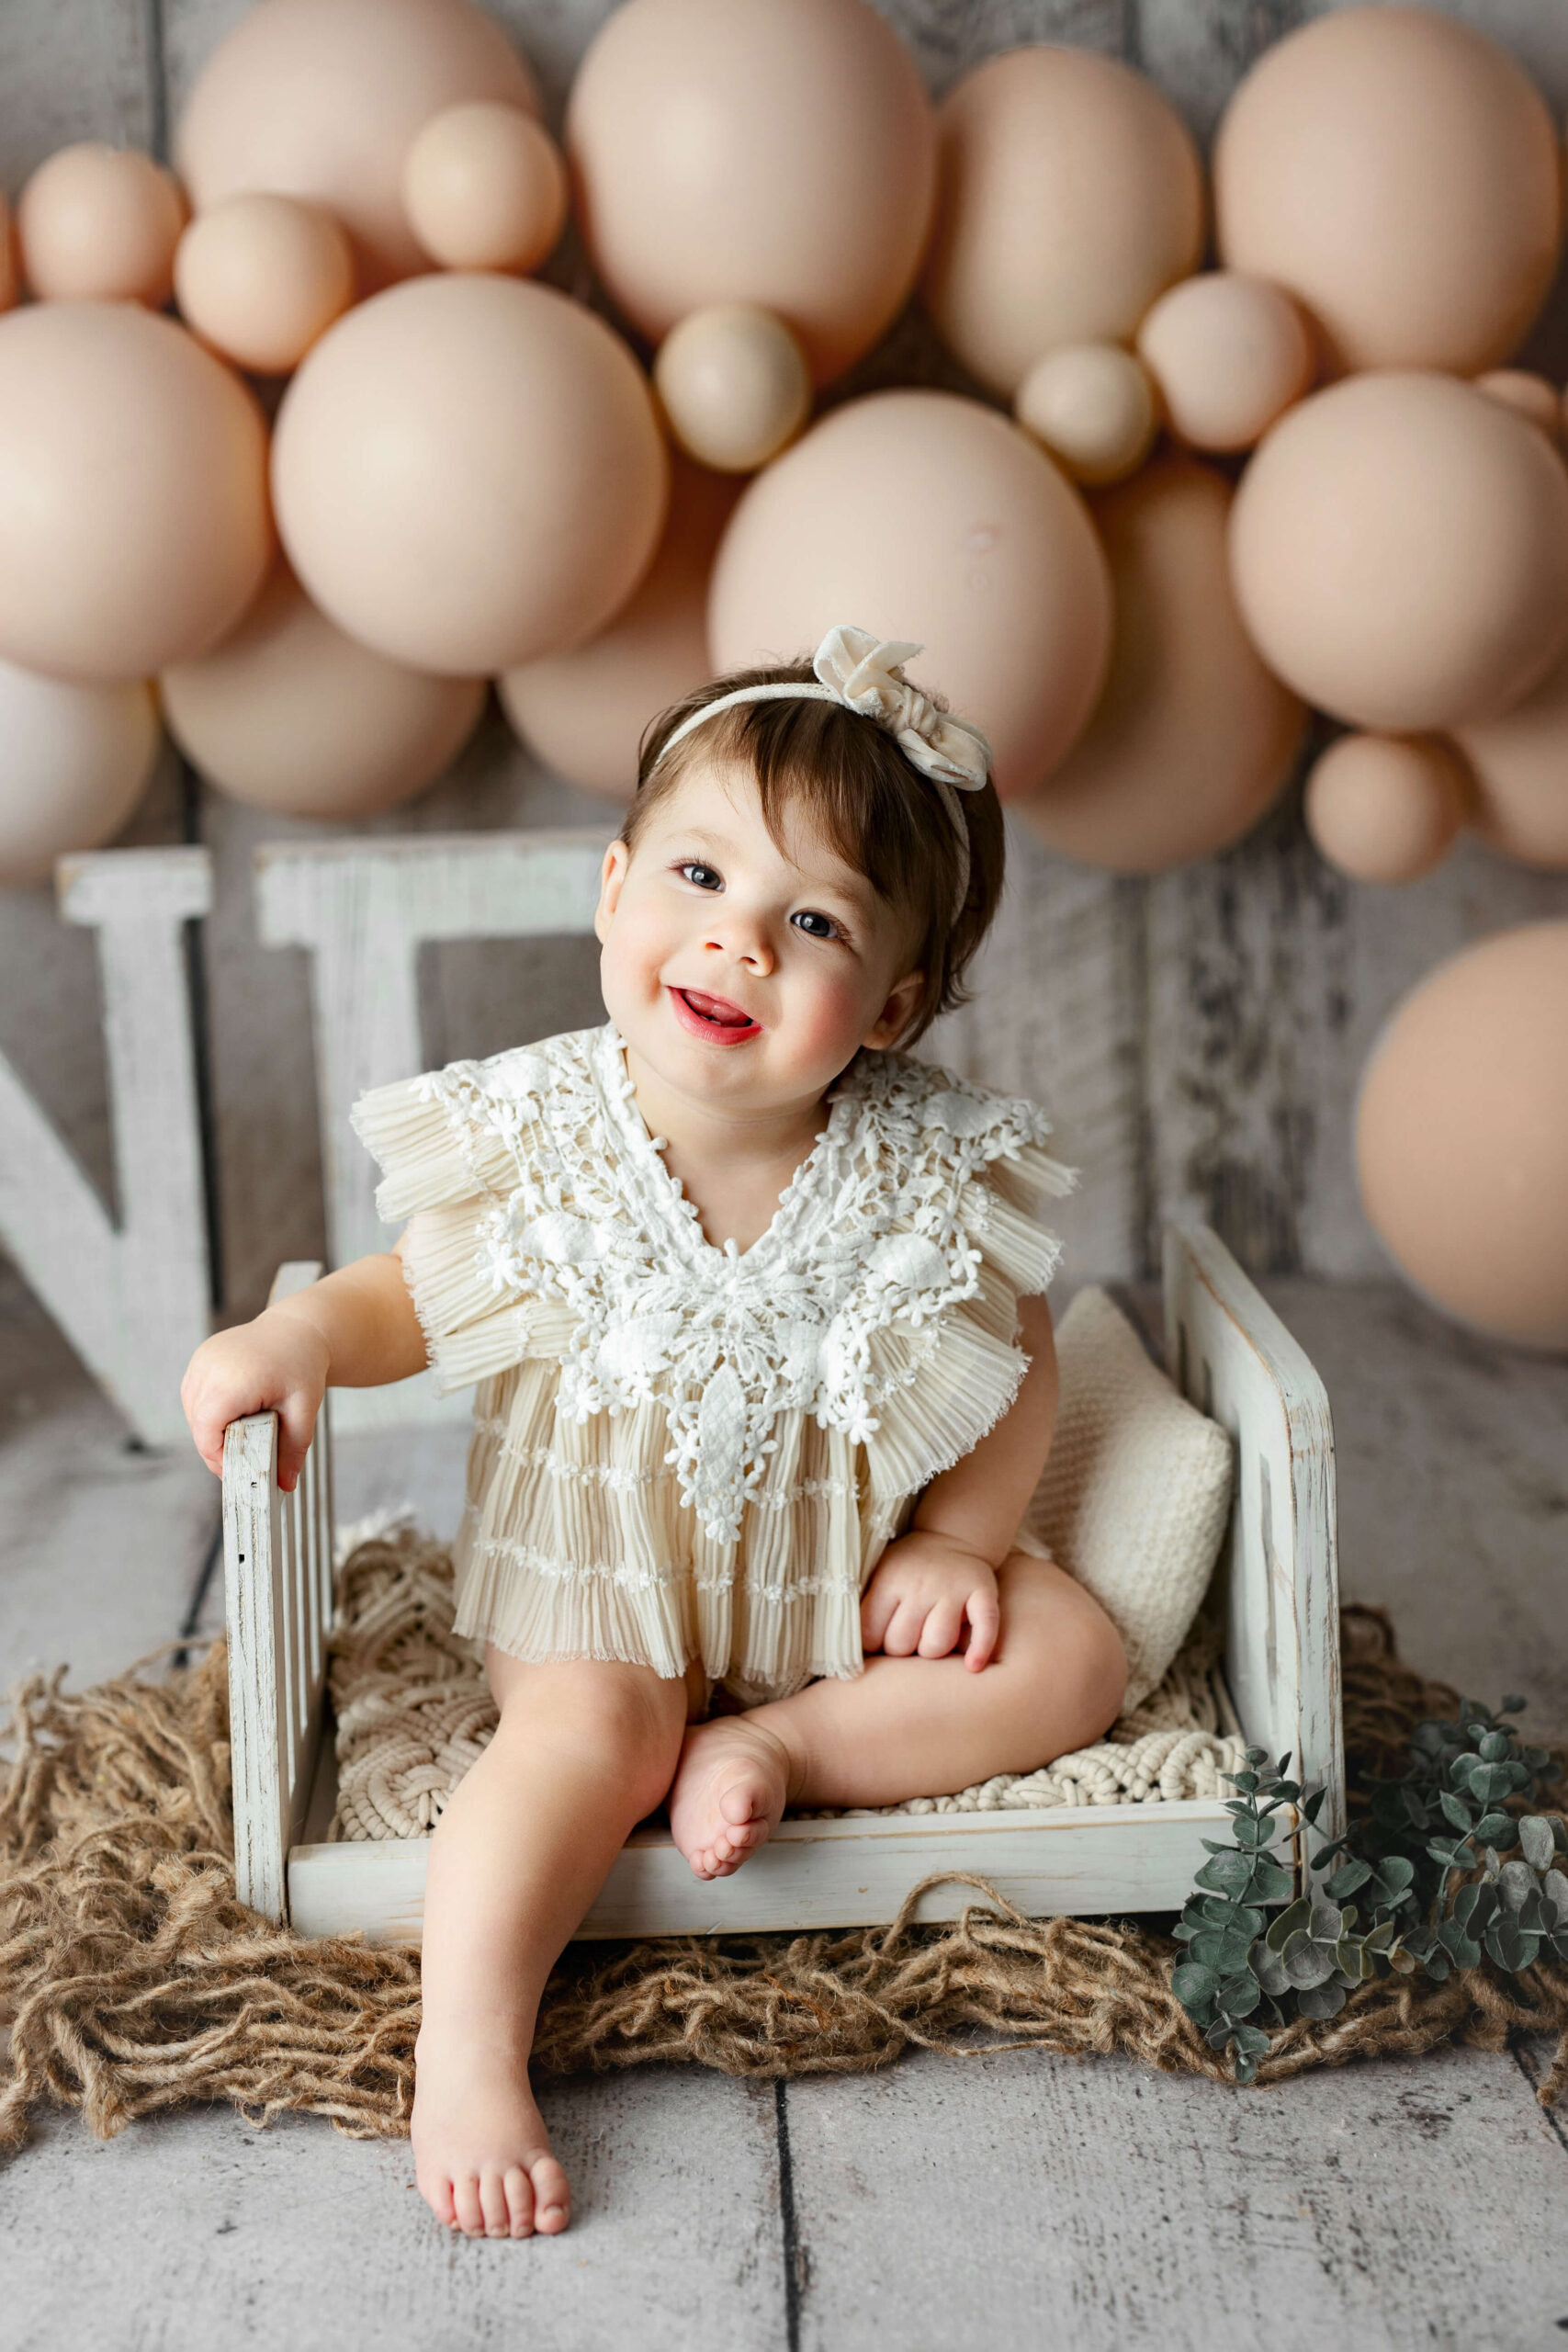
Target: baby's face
[{"x": 735, "y": 967}]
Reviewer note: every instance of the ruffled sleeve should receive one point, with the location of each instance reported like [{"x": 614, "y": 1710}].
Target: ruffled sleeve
[{"x": 453, "y": 1147}]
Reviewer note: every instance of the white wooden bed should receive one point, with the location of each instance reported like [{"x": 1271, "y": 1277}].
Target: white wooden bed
[{"x": 1227, "y": 1352}]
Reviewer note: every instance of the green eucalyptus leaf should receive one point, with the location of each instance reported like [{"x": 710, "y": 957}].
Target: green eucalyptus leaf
[
  {"x": 1509, "y": 1946},
  {"x": 1460, "y": 1948},
  {"x": 1308, "y": 1963},
  {"x": 1554, "y": 1886},
  {"x": 1205, "y": 1947},
  {"x": 1438, "y": 1966},
  {"x": 1456, "y": 1811},
  {"x": 1326, "y": 1924},
  {"x": 1219, "y": 2033},
  {"x": 1270, "y": 1971},
  {"x": 1397, "y": 1870},
  {"x": 1496, "y": 1746},
  {"x": 1239, "y": 1995},
  {"x": 1321, "y": 2000},
  {"x": 1313, "y": 1805},
  {"x": 1536, "y": 1841},
  {"x": 1251, "y": 2041},
  {"x": 1348, "y": 1879},
  {"x": 1269, "y": 1882},
  {"x": 1405, "y": 1964},
  {"x": 1494, "y": 1829},
  {"x": 1513, "y": 1705},
  {"x": 1515, "y": 1881},
  {"x": 1288, "y": 1923},
  {"x": 1193, "y": 1985},
  {"x": 1225, "y": 1871}
]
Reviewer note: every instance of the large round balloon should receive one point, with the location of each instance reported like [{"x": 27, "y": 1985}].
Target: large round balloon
[
  {"x": 134, "y": 510},
  {"x": 1462, "y": 1135},
  {"x": 583, "y": 712},
  {"x": 1070, "y": 194},
  {"x": 77, "y": 761},
  {"x": 1398, "y": 174},
  {"x": 321, "y": 98},
  {"x": 1399, "y": 547},
  {"x": 924, "y": 516},
  {"x": 779, "y": 152},
  {"x": 1520, "y": 766},
  {"x": 468, "y": 474},
  {"x": 1193, "y": 735},
  {"x": 290, "y": 715},
  {"x": 100, "y": 224}
]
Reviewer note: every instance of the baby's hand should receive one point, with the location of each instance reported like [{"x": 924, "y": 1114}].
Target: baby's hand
[
  {"x": 923, "y": 1591},
  {"x": 278, "y": 1364}
]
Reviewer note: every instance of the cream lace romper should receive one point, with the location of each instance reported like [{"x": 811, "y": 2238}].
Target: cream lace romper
[{"x": 681, "y": 1451}]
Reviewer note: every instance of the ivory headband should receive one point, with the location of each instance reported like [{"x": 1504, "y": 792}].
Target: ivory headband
[{"x": 867, "y": 676}]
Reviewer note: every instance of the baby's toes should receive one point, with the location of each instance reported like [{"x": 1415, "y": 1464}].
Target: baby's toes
[
  {"x": 493, "y": 2202},
  {"x": 468, "y": 2213},
  {"x": 552, "y": 2198},
  {"x": 436, "y": 2190},
  {"x": 519, "y": 2196}
]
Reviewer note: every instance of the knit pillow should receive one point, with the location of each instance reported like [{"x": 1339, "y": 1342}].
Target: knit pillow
[{"x": 1135, "y": 1495}]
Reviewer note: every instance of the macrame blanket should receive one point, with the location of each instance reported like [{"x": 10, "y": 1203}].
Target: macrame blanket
[{"x": 414, "y": 1712}]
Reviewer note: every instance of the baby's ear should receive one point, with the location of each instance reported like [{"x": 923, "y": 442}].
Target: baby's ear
[
  {"x": 895, "y": 1013},
  {"x": 612, "y": 873}
]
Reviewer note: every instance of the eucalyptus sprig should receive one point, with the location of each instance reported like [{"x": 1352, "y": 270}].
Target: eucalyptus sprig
[{"x": 1425, "y": 1862}]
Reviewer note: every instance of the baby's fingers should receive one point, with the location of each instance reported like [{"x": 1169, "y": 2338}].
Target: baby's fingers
[
  {"x": 939, "y": 1637},
  {"x": 985, "y": 1616},
  {"x": 296, "y": 1420},
  {"x": 876, "y": 1610}
]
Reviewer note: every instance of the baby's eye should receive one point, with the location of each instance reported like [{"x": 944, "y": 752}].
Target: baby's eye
[
  {"x": 704, "y": 877},
  {"x": 809, "y": 915}
]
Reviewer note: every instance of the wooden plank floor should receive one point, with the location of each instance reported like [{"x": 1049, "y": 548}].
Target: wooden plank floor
[{"x": 944, "y": 2204}]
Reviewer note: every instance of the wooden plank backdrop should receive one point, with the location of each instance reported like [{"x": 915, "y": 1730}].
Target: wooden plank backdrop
[{"x": 1196, "y": 1037}]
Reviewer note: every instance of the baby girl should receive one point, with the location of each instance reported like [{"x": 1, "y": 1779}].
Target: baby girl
[{"x": 766, "y": 1381}]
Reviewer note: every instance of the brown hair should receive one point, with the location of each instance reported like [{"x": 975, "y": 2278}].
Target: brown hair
[{"x": 873, "y": 806}]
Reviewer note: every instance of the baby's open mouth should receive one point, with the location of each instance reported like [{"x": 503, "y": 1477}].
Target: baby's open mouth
[{"x": 714, "y": 1012}]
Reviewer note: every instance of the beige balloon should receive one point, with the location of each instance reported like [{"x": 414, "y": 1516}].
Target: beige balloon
[
  {"x": 133, "y": 507},
  {"x": 260, "y": 278},
  {"x": 779, "y": 152},
  {"x": 1386, "y": 808},
  {"x": 924, "y": 516},
  {"x": 484, "y": 188},
  {"x": 320, "y": 99},
  {"x": 1519, "y": 763},
  {"x": 1070, "y": 194},
  {"x": 1398, "y": 172},
  {"x": 100, "y": 224},
  {"x": 1528, "y": 396},
  {"x": 467, "y": 473},
  {"x": 290, "y": 715},
  {"x": 1193, "y": 737},
  {"x": 1462, "y": 1135},
  {"x": 1092, "y": 406},
  {"x": 1229, "y": 354},
  {"x": 583, "y": 712},
  {"x": 77, "y": 761},
  {"x": 734, "y": 385},
  {"x": 1399, "y": 547}
]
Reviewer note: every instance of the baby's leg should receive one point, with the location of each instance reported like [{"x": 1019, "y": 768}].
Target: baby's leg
[
  {"x": 581, "y": 1753},
  {"x": 907, "y": 1727}
]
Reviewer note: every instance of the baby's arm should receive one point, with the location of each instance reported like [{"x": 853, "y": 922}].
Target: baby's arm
[
  {"x": 942, "y": 1573},
  {"x": 354, "y": 1330}
]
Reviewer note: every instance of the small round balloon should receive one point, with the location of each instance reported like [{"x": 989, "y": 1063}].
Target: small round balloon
[
  {"x": 484, "y": 188},
  {"x": 320, "y": 99},
  {"x": 1386, "y": 808},
  {"x": 290, "y": 715},
  {"x": 980, "y": 549},
  {"x": 1519, "y": 763},
  {"x": 1071, "y": 195},
  {"x": 469, "y": 473},
  {"x": 734, "y": 386},
  {"x": 77, "y": 761},
  {"x": 1397, "y": 174},
  {"x": 133, "y": 507},
  {"x": 1229, "y": 354},
  {"x": 1462, "y": 1135},
  {"x": 100, "y": 224},
  {"x": 1399, "y": 547},
  {"x": 1193, "y": 735},
  {"x": 1092, "y": 406},
  {"x": 260, "y": 278}
]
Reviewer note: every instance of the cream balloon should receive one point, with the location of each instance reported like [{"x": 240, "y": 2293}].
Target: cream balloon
[
  {"x": 1528, "y": 396},
  {"x": 585, "y": 713},
  {"x": 1071, "y": 194},
  {"x": 260, "y": 278},
  {"x": 779, "y": 152},
  {"x": 1399, "y": 547},
  {"x": 100, "y": 224},
  {"x": 1092, "y": 407},
  {"x": 484, "y": 188},
  {"x": 77, "y": 761},
  {"x": 134, "y": 512},
  {"x": 1229, "y": 354},
  {"x": 469, "y": 473},
  {"x": 1399, "y": 174},
  {"x": 290, "y": 715},
  {"x": 1462, "y": 1135},
  {"x": 924, "y": 516},
  {"x": 1193, "y": 737},
  {"x": 1519, "y": 763},
  {"x": 734, "y": 386},
  {"x": 320, "y": 99},
  {"x": 1386, "y": 808}
]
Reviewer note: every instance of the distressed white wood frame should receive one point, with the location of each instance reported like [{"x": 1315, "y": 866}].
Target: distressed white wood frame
[
  {"x": 363, "y": 908},
  {"x": 1230, "y": 1356},
  {"x": 132, "y": 1297}
]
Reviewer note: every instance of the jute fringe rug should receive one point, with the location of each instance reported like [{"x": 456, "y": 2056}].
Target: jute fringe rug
[{"x": 134, "y": 1979}]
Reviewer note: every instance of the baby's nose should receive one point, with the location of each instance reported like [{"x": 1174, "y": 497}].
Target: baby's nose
[{"x": 745, "y": 941}]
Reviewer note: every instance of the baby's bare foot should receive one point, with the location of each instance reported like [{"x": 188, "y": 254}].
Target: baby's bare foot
[
  {"x": 727, "y": 1794},
  {"x": 482, "y": 2158}
]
